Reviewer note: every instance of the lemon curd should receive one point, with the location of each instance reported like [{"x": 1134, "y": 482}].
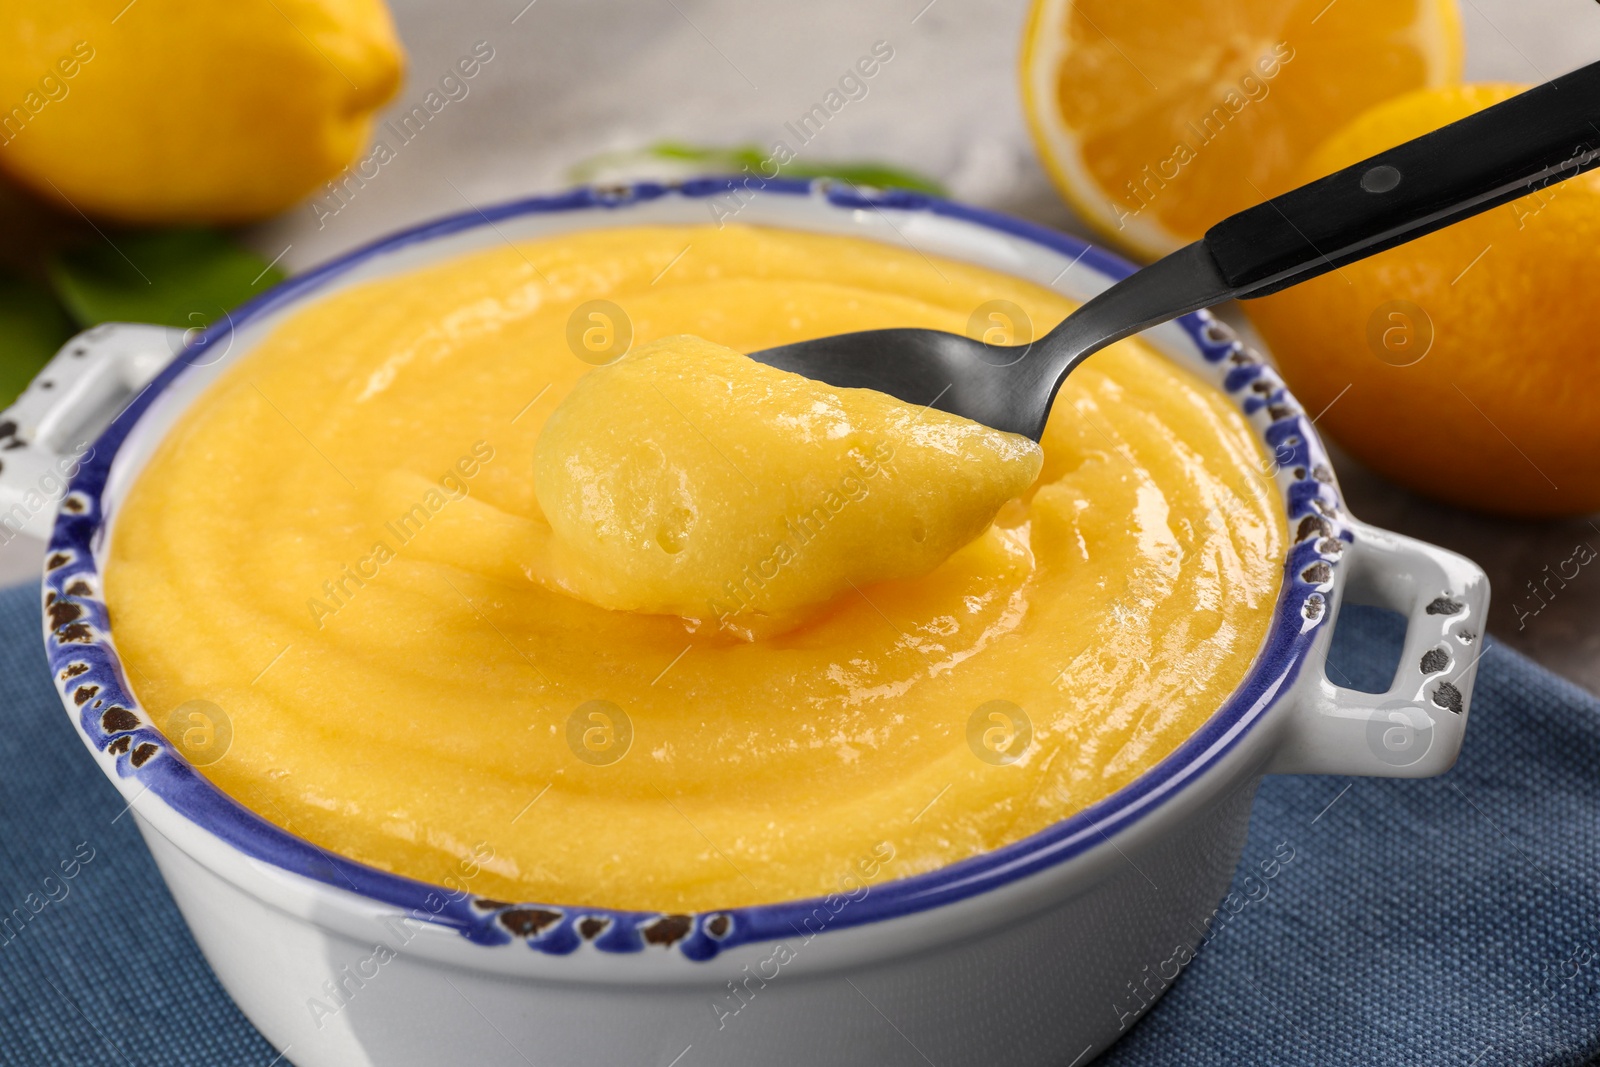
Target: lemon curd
[
  {"x": 681, "y": 632},
  {"x": 688, "y": 479}
]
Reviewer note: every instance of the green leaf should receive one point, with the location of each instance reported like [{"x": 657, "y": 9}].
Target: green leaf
[
  {"x": 182, "y": 278},
  {"x": 32, "y": 327},
  {"x": 735, "y": 160},
  {"x": 879, "y": 174}
]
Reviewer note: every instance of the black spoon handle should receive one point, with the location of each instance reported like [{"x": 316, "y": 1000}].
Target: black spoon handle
[{"x": 1544, "y": 135}]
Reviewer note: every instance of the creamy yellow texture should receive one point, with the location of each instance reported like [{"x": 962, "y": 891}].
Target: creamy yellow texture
[
  {"x": 337, "y": 547},
  {"x": 685, "y": 478}
]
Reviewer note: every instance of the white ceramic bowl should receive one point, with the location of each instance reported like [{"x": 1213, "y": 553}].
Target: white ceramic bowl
[{"x": 1042, "y": 952}]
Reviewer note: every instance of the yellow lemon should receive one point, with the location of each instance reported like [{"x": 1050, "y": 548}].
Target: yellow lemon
[
  {"x": 1462, "y": 364},
  {"x": 161, "y": 111},
  {"x": 1157, "y": 120}
]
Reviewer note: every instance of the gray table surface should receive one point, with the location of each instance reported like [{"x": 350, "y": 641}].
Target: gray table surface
[{"x": 573, "y": 78}]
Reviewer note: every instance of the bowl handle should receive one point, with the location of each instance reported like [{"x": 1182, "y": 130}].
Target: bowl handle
[
  {"x": 46, "y": 434},
  {"x": 1414, "y": 729}
]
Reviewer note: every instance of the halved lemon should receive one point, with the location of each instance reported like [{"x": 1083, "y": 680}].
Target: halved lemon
[{"x": 1156, "y": 120}]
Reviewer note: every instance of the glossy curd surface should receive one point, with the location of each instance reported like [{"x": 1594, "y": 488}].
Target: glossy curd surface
[
  {"x": 345, "y": 549},
  {"x": 687, "y": 479}
]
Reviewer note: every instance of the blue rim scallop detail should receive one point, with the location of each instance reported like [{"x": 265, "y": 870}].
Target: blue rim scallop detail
[{"x": 89, "y": 675}]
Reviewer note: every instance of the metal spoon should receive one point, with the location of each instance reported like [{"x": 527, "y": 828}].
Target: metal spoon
[{"x": 1544, "y": 135}]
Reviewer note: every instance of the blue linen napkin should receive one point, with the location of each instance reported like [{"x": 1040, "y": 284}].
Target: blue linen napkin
[{"x": 1446, "y": 921}]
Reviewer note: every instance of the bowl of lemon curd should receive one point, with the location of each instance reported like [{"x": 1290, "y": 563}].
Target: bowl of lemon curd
[{"x": 504, "y": 668}]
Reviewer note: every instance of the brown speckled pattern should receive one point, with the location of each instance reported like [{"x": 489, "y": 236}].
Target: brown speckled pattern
[
  {"x": 668, "y": 930},
  {"x": 1435, "y": 660},
  {"x": 528, "y": 922}
]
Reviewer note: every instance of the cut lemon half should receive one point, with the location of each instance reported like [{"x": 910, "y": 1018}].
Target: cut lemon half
[{"x": 1158, "y": 120}]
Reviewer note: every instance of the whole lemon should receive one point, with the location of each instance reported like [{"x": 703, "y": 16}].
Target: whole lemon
[
  {"x": 1463, "y": 364},
  {"x": 160, "y": 111}
]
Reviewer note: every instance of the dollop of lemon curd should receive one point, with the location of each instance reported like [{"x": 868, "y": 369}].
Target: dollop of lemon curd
[
  {"x": 688, "y": 479},
  {"x": 681, "y": 632}
]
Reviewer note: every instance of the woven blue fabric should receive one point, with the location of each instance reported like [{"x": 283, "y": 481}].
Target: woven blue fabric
[{"x": 1447, "y": 921}]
